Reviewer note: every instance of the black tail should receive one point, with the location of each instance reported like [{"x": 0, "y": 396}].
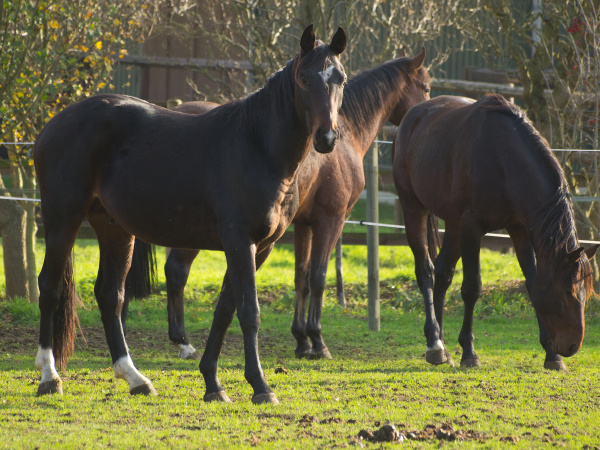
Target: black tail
[
  {"x": 433, "y": 236},
  {"x": 65, "y": 319},
  {"x": 141, "y": 279}
]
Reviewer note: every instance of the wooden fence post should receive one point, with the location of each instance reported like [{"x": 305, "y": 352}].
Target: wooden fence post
[{"x": 373, "y": 236}]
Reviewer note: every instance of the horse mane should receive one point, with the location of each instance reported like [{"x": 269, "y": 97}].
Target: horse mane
[
  {"x": 275, "y": 94},
  {"x": 554, "y": 223},
  {"x": 368, "y": 91}
]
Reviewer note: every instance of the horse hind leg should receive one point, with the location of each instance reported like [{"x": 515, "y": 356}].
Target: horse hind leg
[
  {"x": 116, "y": 247},
  {"x": 177, "y": 270},
  {"x": 444, "y": 267},
  {"x": 57, "y": 303},
  {"x": 415, "y": 220}
]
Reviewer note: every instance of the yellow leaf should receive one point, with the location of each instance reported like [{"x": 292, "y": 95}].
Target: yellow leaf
[
  {"x": 54, "y": 24},
  {"x": 98, "y": 45},
  {"x": 117, "y": 22}
]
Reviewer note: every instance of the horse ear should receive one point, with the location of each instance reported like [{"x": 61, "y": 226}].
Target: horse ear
[
  {"x": 590, "y": 252},
  {"x": 339, "y": 41},
  {"x": 571, "y": 258},
  {"x": 401, "y": 53},
  {"x": 308, "y": 39},
  {"x": 417, "y": 61}
]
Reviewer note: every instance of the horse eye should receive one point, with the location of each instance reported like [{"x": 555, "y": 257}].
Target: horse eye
[
  {"x": 427, "y": 90},
  {"x": 304, "y": 80}
]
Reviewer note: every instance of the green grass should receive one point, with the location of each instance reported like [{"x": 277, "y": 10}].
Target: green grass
[{"x": 374, "y": 378}]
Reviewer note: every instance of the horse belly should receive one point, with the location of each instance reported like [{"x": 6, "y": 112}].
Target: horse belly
[{"x": 166, "y": 217}]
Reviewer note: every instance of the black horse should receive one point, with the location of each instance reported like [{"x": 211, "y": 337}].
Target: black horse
[
  {"x": 224, "y": 180},
  {"x": 328, "y": 185},
  {"x": 481, "y": 166}
]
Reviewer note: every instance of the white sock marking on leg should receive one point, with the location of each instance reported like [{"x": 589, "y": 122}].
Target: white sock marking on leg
[
  {"x": 185, "y": 350},
  {"x": 44, "y": 362},
  {"x": 125, "y": 370},
  {"x": 437, "y": 346}
]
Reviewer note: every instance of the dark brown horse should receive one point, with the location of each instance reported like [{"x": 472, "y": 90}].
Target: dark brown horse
[
  {"x": 329, "y": 186},
  {"x": 481, "y": 166},
  {"x": 222, "y": 181}
]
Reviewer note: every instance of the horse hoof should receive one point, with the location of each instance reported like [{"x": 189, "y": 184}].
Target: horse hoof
[
  {"x": 143, "y": 389},
  {"x": 435, "y": 357},
  {"x": 321, "y": 354},
  {"x": 559, "y": 366},
  {"x": 304, "y": 353},
  {"x": 53, "y": 386},
  {"x": 265, "y": 398},
  {"x": 449, "y": 359},
  {"x": 220, "y": 396},
  {"x": 194, "y": 356},
  {"x": 470, "y": 362}
]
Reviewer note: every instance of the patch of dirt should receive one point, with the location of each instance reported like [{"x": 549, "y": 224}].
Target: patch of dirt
[{"x": 444, "y": 432}]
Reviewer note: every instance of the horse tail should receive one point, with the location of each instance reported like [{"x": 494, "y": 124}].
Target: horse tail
[
  {"x": 65, "y": 319},
  {"x": 142, "y": 278},
  {"x": 433, "y": 236}
]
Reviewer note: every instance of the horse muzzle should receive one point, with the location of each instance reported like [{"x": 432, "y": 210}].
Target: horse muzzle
[
  {"x": 325, "y": 141},
  {"x": 566, "y": 347}
]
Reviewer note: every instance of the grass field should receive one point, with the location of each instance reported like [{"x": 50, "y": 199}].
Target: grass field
[{"x": 374, "y": 378}]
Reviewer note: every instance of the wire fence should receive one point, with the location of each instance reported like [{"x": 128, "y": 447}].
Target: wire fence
[{"x": 383, "y": 166}]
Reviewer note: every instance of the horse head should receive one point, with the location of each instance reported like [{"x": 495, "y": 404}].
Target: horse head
[
  {"x": 417, "y": 86},
  {"x": 320, "y": 81},
  {"x": 559, "y": 295}
]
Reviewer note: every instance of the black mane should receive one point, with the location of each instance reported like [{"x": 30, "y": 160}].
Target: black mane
[
  {"x": 553, "y": 225},
  {"x": 277, "y": 94},
  {"x": 367, "y": 92}
]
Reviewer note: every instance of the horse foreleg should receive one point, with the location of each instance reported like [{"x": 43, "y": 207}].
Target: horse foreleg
[
  {"x": 240, "y": 284},
  {"x": 302, "y": 247},
  {"x": 415, "y": 220},
  {"x": 177, "y": 270},
  {"x": 470, "y": 240},
  {"x": 325, "y": 235},
  {"x": 526, "y": 257}
]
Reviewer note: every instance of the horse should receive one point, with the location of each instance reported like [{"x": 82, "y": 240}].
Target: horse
[
  {"x": 224, "y": 180},
  {"x": 329, "y": 185},
  {"x": 482, "y": 166}
]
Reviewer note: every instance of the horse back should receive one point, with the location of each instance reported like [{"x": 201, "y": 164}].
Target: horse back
[{"x": 453, "y": 154}]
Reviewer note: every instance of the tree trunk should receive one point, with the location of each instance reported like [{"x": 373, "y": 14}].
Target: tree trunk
[
  {"x": 30, "y": 233},
  {"x": 12, "y": 229}
]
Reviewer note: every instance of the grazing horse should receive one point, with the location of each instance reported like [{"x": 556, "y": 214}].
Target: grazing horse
[
  {"x": 224, "y": 180},
  {"x": 329, "y": 186},
  {"x": 481, "y": 166}
]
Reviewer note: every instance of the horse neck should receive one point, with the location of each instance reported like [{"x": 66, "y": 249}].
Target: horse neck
[
  {"x": 283, "y": 137},
  {"x": 367, "y": 106},
  {"x": 544, "y": 204}
]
